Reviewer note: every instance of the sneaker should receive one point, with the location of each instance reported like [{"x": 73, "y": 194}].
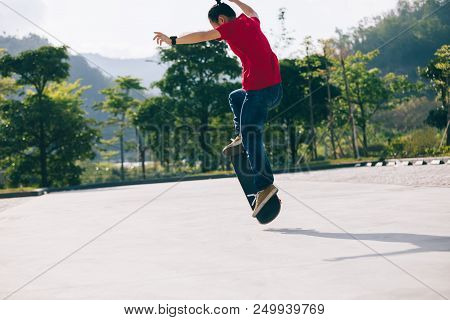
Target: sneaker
[
  {"x": 263, "y": 197},
  {"x": 234, "y": 148}
]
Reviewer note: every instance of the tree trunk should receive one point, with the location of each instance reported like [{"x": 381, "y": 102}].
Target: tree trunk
[
  {"x": 339, "y": 146},
  {"x": 341, "y": 151},
  {"x": 333, "y": 140},
  {"x": 311, "y": 123},
  {"x": 43, "y": 156},
  {"x": 364, "y": 128},
  {"x": 141, "y": 151},
  {"x": 42, "y": 145},
  {"x": 448, "y": 129},
  {"x": 311, "y": 119},
  {"x": 166, "y": 156},
  {"x": 363, "y": 121},
  {"x": 350, "y": 107},
  {"x": 445, "y": 98},
  {"x": 206, "y": 161},
  {"x": 122, "y": 160},
  {"x": 292, "y": 143},
  {"x": 143, "y": 164},
  {"x": 330, "y": 110}
]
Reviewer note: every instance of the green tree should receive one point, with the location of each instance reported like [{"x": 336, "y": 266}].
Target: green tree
[
  {"x": 330, "y": 63},
  {"x": 438, "y": 72},
  {"x": 294, "y": 112},
  {"x": 316, "y": 69},
  {"x": 343, "y": 46},
  {"x": 290, "y": 113},
  {"x": 372, "y": 92},
  {"x": 36, "y": 120},
  {"x": 8, "y": 85},
  {"x": 75, "y": 135},
  {"x": 153, "y": 121},
  {"x": 129, "y": 84},
  {"x": 119, "y": 104},
  {"x": 310, "y": 64},
  {"x": 68, "y": 134}
]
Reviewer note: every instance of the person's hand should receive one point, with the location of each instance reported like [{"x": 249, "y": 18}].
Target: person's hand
[{"x": 161, "y": 37}]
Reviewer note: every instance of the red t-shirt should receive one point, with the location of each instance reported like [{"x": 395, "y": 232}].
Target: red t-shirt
[{"x": 260, "y": 67}]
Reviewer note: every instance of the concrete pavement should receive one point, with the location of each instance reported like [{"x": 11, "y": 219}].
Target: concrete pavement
[{"x": 197, "y": 240}]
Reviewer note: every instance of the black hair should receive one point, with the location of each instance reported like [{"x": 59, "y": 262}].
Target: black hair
[{"x": 220, "y": 9}]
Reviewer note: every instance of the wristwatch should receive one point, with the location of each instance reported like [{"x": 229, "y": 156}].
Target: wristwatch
[{"x": 174, "y": 40}]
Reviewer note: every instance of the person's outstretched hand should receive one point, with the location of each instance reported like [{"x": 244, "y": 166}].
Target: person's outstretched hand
[{"x": 161, "y": 37}]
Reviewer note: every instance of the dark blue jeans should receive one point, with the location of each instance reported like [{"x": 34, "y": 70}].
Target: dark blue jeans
[{"x": 250, "y": 109}]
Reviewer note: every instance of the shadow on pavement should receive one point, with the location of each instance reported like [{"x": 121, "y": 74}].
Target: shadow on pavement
[{"x": 423, "y": 243}]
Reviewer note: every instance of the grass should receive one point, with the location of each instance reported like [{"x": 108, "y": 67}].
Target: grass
[
  {"x": 11, "y": 190},
  {"x": 341, "y": 161},
  {"x": 107, "y": 172}
]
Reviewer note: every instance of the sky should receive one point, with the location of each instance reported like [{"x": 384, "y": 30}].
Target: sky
[{"x": 124, "y": 28}]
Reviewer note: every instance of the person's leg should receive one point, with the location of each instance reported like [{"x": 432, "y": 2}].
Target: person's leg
[
  {"x": 253, "y": 117},
  {"x": 236, "y": 100},
  {"x": 275, "y": 95}
]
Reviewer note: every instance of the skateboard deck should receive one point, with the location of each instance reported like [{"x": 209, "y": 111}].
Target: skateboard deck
[{"x": 244, "y": 173}]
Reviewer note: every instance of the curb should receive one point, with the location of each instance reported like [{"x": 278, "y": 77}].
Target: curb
[
  {"x": 34, "y": 193},
  {"x": 406, "y": 162},
  {"x": 139, "y": 182},
  {"x": 43, "y": 191}
]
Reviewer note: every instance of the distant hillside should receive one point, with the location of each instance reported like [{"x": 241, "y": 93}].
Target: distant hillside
[
  {"x": 85, "y": 67},
  {"x": 80, "y": 69},
  {"x": 413, "y": 48},
  {"x": 146, "y": 69},
  {"x": 16, "y": 45}
]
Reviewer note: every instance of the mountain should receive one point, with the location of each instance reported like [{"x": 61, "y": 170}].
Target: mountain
[
  {"x": 16, "y": 45},
  {"x": 80, "y": 69},
  {"x": 146, "y": 69},
  {"x": 412, "y": 33}
]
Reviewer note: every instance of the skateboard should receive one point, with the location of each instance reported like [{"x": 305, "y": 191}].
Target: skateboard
[{"x": 244, "y": 173}]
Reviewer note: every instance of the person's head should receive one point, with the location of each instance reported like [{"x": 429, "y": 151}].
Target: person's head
[{"x": 220, "y": 14}]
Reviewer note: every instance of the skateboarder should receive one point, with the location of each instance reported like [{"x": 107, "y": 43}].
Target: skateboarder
[{"x": 261, "y": 85}]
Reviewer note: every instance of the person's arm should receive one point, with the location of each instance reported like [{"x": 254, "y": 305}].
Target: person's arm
[
  {"x": 248, "y": 11},
  {"x": 190, "y": 38}
]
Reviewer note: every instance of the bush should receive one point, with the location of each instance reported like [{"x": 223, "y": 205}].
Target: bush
[
  {"x": 437, "y": 118},
  {"x": 421, "y": 142},
  {"x": 378, "y": 150}
]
